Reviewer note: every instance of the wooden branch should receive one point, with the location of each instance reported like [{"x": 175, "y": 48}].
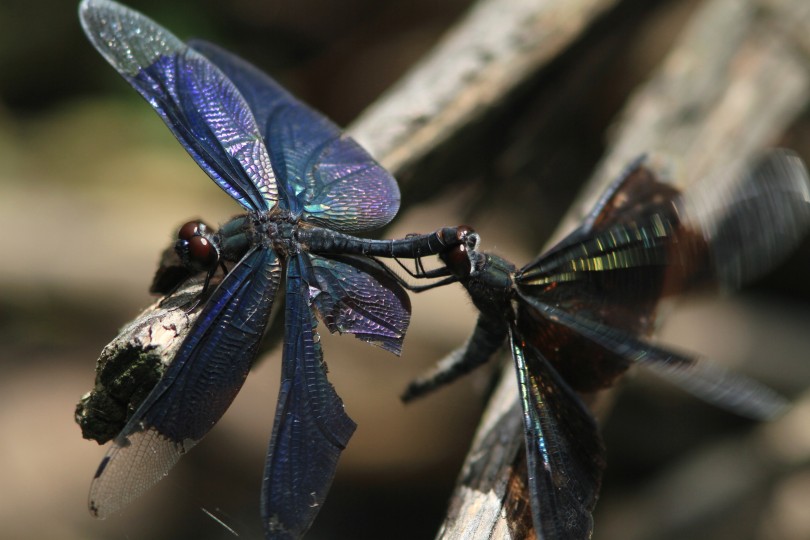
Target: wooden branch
[
  {"x": 731, "y": 85},
  {"x": 132, "y": 363},
  {"x": 495, "y": 48}
]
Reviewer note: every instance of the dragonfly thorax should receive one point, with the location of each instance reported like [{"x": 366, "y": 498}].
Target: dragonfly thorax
[{"x": 491, "y": 283}]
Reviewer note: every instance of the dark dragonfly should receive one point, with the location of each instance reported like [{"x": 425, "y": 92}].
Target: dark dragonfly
[
  {"x": 305, "y": 186},
  {"x": 577, "y": 316}
]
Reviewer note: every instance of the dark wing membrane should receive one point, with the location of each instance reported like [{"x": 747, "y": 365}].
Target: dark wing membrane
[
  {"x": 326, "y": 176},
  {"x": 643, "y": 242},
  {"x": 199, "y": 104},
  {"x": 356, "y": 295},
  {"x": 197, "y": 388},
  {"x": 636, "y": 193},
  {"x": 584, "y": 364},
  {"x": 752, "y": 221},
  {"x": 311, "y": 428},
  {"x": 704, "y": 379},
  {"x": 564, "y": 451},
  {"x": 617, "y": 268},
  {"x": 618, "y": 275}
]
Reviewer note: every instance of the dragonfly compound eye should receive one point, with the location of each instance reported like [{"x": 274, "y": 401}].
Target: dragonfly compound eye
[
  {"x": 458, "y": 261},
  {"x": 463, "y": 231},
  {"x": 190, "y": 230},
  {"x": 202, "y": 251}
]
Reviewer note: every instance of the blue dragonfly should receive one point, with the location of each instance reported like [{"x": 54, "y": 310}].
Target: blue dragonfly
[
  {"x": 306, "y": 188},
  {"x": 579, "y": 315}
]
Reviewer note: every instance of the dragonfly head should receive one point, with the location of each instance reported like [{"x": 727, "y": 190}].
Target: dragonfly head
[
  {"x": 196, "y": 247},
  {"x": 464, "y": 259}
]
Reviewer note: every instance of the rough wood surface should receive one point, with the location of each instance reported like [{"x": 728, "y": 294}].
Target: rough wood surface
[
  {"x": 732, "y": 85},
  {"x": 496, "y": 47},
  {"x": 131, "y": 364}
]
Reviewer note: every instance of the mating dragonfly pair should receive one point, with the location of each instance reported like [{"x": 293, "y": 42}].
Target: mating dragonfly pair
[{"x": 575, "y": 318}]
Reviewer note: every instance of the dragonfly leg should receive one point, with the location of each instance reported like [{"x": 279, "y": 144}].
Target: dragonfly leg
[{"x": 420, "y": 273}]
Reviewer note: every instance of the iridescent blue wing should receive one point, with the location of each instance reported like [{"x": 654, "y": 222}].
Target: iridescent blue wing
[
  {"x": 327, "y": 177},
  {"x": 311, "y": 428},
  {"x": 355, "y": 295},
  {"x": 565, "y": 456},
  {"x": 199, "y": 104},
  {"x": 197, "y": 388}
]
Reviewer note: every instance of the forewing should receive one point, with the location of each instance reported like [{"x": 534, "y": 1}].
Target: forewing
[
  {"x": 355, "y": 295},
  {"x": 311, "y": 428},
  {"x": 326, "y": 176},
  {"x": 197, "y": 388},
  {"x": 618, "y": 275},
  {"x": 637, "y": 192},
  {"x": 564, "y": 451},
  {"x": 751, "y": 222},
  {"x": 644, "y": 241},
  {"x": 199, "y": 104}
]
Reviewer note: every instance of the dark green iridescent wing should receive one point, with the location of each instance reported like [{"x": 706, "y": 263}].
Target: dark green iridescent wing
[{"x": 564, "y": 451}]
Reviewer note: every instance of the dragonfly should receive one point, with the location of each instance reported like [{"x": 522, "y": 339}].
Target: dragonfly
[
  {"x": 305, "y": 188},
  {"x": 580, "y": 314}
]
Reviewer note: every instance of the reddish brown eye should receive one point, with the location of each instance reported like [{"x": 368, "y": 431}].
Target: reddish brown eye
[
  {"x": 457, "y": 260},
  {"x": 463, "y": 231},
  {"x": 202, "y": 251},
  {"x": 189, "y": 230}
]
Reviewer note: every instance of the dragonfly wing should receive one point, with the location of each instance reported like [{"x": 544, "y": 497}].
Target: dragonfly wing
[
  {"x": 620, "y": 274},
  {"x": 638, "y": 192},
  {"x": 311, "y": 428},
  {"x": 753, "y": 221},
  {"x": 662, "y": 243},
  {"x": 194, "y": 98},
  {"x": 198, "y": 386},
  {"x": 564, "y": 451},
  {"x": 329, "y": 179},
  {"x": 356, "y": 295},
  {"x": 703, "y": 378}
]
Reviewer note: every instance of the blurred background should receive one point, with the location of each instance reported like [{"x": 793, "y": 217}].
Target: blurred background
[{"x": 93, "y": 187}]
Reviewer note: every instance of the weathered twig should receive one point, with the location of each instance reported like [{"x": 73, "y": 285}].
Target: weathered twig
[
  {"x": 130, "y": 365},
  {"x": 496, "y": 47}
]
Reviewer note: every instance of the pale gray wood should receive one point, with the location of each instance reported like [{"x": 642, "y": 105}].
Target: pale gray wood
[{"x": 495, "y": 47}]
